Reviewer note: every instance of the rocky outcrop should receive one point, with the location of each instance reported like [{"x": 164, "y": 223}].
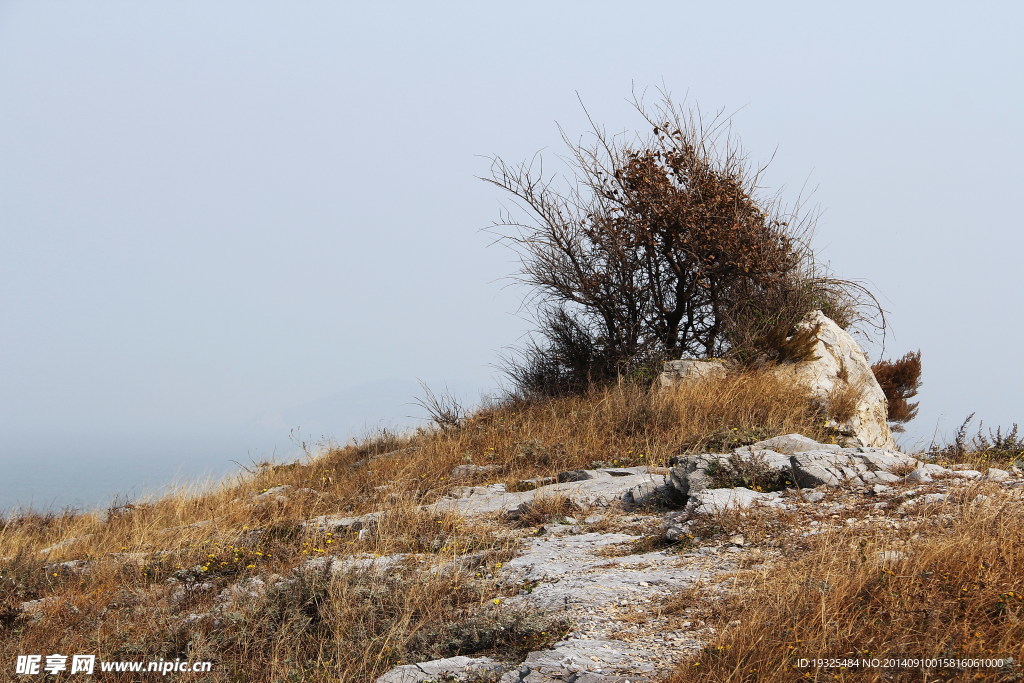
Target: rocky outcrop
[
  {"x": 801, "y": 460},
  {"x": 841, "y": 373},
  {"x": 839, "y": 377}
]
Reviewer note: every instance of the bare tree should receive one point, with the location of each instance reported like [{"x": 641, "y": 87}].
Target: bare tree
[{"x": 659, "y": 245}]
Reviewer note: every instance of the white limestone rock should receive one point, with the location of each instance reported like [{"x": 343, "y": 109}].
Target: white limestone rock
[
  {"x": 714, "y": 501},
  {"x": 449, "y": 669},
  {"x": 676, "y": 371},
  {"x": 842, "y": 364},
  {"x": 996, "y": 474}
]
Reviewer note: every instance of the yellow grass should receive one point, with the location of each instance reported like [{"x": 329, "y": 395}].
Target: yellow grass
[
  {"x": 352, "y": 625},
  {"x": 946, "y": 583}
]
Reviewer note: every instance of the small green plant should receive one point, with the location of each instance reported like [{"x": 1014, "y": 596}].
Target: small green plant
[
  {"x": 728, "y": 438},
  {"x": 749, "y": 471}
]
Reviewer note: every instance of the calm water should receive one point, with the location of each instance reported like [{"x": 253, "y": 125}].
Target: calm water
[{"x": 87, "y": 472}]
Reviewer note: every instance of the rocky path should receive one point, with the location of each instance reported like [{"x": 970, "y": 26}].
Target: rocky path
[
  {"x": 590, "y": 572},
  {"x": 615, "y": 594},
  {"x": 614, "y": 602}
]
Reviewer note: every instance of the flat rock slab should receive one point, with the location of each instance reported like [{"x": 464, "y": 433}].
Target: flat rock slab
[
  {"x": 588, "y": 579},
  {"x": 582, "y": 661},
  {"x": 453, "y": 668},
  {"x": 577, "y": 571},
  {"x": 601, "y": 489},
  {"x": 715, "y": 501}
]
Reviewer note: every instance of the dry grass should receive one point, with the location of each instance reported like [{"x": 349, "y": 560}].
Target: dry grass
[
  {"x": 999, "y": 447},
  {"x": 843, "y": 400},
  {"x": 544, "y": 509},
  {"x": 145, "y": 568},
  {"x": 944, "y": 584}
]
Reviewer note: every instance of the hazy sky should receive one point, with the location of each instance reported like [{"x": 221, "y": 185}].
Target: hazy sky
[{"x": 219, "y": 215}]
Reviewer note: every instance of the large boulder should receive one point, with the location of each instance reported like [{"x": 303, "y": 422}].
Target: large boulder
[
  {"x": 841, "y": 369},
  {"x": 838, "y": 375}
]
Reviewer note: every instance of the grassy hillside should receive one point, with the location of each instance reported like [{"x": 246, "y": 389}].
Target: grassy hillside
[{"x": 140, "y": 582}]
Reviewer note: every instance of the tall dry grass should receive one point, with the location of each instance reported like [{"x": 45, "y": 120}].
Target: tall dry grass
[
  {"x": 946, "y": 583},
  {"x": 139, "y": 571}
]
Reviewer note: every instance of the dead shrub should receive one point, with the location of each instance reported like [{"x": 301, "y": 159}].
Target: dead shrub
[
  {"x": 995, "y": 448},
  {"x": 658, "y": 246},
  {"x": 900, "y": 379}
]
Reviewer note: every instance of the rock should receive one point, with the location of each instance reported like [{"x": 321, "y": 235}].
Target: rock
[
  {"x": 245, "y": 590},
  {"x": 467, "y": 491},
  {"x": 581, "y": 661},
  {"x": 535, "y": 483},
  {"x": 452, "y": 669},
  {"x": 604, "y": 488},
  {"x": 471, "y": 471},
  {"x": 713, "y": 501},
  {"x": 327, "y": 564},
  {"x": 995, "y": 474},
  {"x": 847, "y": 467},
  {"x": 566, "y": 570},
  {"x": 926, "y": 499},
  {"x": 919, "y": 476},
  {"x": 956, "y": 467},
  {"x": 841, "y": 366},
  {"x": 676, "y": 532},
  {"x": 580, "y": 475},
  {"x": 336, "y": 523},
  {"x": 36, "y": 608},
  {"x": 676, "y": 371},
  {"x": 189, "y": 590},
  {"x": 69, "y": 567},
  {"x": 829, "y": 466},
  {"x": 890, "y": 556},
  {"x": 690, "y": 476},
  {"x": 814, "y": 496},
  {"x": 278, "y": 494},
  {"x": 63, "y": 544},
  {"x": 787, "y": 444},
  {"x": 966, "y": 474},
  {"x": 651, "y": 493}
]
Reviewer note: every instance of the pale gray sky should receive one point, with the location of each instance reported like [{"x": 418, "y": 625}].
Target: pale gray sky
[{"x": 223, "y": 219}]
